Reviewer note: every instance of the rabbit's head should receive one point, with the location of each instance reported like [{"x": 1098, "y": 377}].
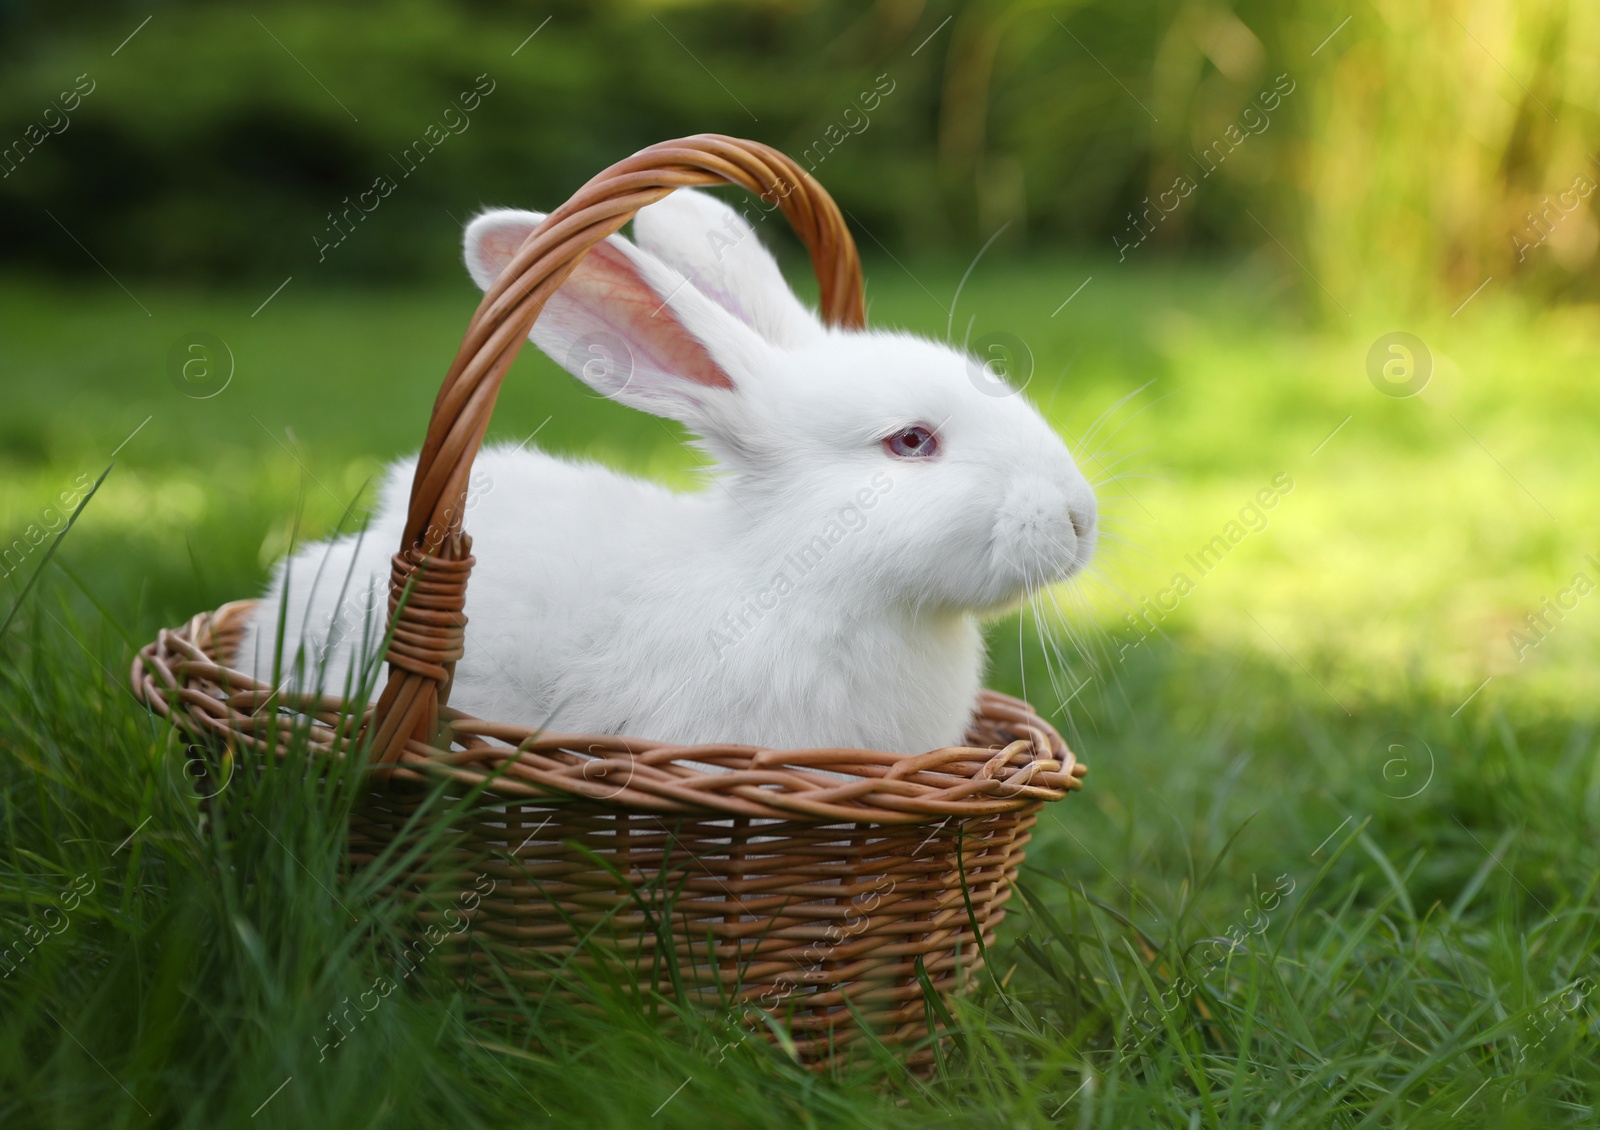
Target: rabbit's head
[{"x": 947, "y": 494}]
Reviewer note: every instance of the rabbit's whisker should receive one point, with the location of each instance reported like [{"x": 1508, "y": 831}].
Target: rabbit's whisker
[
  {"x": 1100, "y": 421},
  {"x": 1141, "y": 410},
  {"x": 1098, "y": 459}
]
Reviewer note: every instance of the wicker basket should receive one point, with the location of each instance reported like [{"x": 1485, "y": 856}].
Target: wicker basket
[{"x": 831, "y": 888}]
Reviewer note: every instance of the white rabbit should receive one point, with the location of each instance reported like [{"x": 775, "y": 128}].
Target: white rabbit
[{"x": 872, "y": 498}]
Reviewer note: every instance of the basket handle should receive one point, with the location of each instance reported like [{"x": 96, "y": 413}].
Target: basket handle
[{"x": 428, "y": 576}]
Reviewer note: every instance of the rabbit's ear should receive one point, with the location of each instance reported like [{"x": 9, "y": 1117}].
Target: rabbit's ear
[
  {"x": 631, "y": 327},
  {"x": 720, "y": 253},
  {"x": 492, "y": 240}
]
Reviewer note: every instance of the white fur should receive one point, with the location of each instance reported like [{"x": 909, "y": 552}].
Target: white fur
[{"x": 601, "y": 603}]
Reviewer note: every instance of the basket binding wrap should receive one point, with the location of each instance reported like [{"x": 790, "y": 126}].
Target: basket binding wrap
[{"x": 823, "y": 900}]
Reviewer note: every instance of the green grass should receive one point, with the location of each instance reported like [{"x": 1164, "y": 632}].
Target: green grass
[{"x": 1289, "y": 760}]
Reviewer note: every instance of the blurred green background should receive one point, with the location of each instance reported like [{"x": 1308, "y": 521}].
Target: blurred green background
[
  {"x": 1202, "y": 226},
  {"x": 1392, "y": 149},
  {"x": 1199, "y": 220}
]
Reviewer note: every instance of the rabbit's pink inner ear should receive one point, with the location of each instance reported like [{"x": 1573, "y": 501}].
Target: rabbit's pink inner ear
[
  {"x": 500, "y": 246},
  {"x": 493, "y": 242},
  {"x": 608, "y": 288}
]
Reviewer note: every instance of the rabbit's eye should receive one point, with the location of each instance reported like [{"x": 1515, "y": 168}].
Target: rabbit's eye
[{"x": 916, "y": 442}]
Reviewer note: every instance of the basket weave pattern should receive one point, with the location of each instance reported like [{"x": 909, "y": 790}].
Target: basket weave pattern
[{"x": 825, "y": 886}]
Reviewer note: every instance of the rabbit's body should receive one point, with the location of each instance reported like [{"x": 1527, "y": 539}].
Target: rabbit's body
[
  {"x": 647, "y": 606},
  {"x": 872, "y": 497}
]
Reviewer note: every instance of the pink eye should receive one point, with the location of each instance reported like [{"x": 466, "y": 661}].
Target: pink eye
[{"x": 915, "y": 442}]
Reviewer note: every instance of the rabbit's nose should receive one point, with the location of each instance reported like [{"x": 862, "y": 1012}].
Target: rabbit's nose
[
  {"x": 1083, "y": 516},
  {"x": 1041, "y": 525},
  {"x": 1083, "y": 513}
]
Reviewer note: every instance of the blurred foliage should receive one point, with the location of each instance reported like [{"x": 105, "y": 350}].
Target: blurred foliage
[{"x": 1393, "y": 153}]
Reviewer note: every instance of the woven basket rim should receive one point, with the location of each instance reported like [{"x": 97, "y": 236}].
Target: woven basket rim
[{"x": 186, "y": 676}]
